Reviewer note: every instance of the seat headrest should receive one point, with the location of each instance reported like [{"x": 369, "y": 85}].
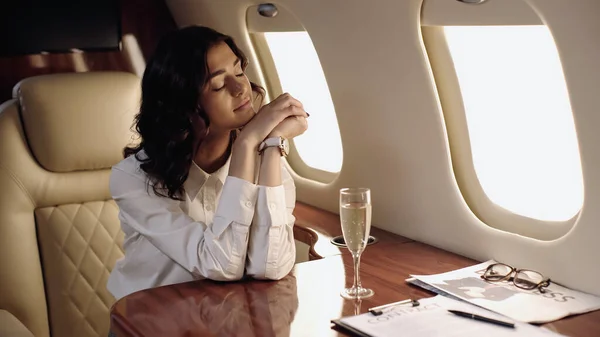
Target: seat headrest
[{"x": 79, "y": 121}]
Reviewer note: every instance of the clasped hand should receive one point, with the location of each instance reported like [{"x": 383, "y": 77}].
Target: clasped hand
[{"x": 284, "y": 116}]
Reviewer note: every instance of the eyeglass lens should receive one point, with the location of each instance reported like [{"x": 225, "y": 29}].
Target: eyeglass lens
[
  {"x": 498, "y": 272},
  {"x": 528, "y": 279}
]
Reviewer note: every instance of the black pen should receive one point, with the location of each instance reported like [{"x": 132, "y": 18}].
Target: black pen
[{"x": 481, "y": 318}]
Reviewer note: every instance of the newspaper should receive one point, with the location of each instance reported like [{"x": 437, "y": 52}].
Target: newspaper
[{"x": 530, "y": 306}]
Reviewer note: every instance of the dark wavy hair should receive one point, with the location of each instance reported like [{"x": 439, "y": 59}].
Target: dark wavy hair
[{"x": 171, "y": 87}]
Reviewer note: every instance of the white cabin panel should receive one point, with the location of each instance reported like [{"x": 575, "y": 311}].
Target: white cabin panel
[{"x": 393, "y": 129}]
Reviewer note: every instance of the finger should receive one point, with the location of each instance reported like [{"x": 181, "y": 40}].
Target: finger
[
  {"x": 304, "y": 122},
  {"x": 286, "y": 100},
  {"x": 295, "y": 111},
  {"x": 301, "y": 124}
]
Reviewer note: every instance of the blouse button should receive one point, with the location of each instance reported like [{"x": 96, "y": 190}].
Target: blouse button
[{"x": 248, "y": 204}]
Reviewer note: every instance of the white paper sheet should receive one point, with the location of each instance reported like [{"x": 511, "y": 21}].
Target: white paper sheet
[{"x": 431, "y": 318}]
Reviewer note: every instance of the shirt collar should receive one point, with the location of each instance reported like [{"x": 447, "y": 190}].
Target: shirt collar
[{"x": 197, "y": 177}]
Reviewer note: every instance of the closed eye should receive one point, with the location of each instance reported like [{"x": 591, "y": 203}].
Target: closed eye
[{"x": 237, "y": 75}]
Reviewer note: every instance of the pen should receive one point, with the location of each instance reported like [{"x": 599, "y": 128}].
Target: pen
[
  {"x": 379, "y": 310},
  {"x": 481, "y": 318}
]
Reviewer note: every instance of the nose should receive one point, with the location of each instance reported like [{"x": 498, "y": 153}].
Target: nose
[{"x": 237, "y": 88}]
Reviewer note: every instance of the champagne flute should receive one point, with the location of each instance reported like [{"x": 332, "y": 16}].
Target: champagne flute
[{"x": 355, "y": 215}]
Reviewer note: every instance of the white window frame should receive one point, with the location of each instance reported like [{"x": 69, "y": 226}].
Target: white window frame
[
  {"x": 283, "y": 22},
  {"x": 451, "y": 104}
]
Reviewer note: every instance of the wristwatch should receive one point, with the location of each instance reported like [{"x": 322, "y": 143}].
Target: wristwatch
[{"x": 280, "y": 142}]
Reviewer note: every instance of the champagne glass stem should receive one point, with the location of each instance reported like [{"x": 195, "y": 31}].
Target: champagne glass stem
[{"x": 356, "y": 258}]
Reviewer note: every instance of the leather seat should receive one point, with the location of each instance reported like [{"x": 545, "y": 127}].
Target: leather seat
[{"x": 59, "y": 230}]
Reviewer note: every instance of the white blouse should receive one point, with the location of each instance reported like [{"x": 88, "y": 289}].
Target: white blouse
[{"x": 225, "y": 226}]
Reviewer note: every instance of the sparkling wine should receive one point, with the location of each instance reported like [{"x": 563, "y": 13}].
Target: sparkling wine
[{"x": 356, "y": 225}]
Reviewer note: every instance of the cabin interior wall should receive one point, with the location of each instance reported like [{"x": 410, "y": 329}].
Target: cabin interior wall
[
  {"x": 388, "y": 112},
  {"x": 143, "y": 22}
]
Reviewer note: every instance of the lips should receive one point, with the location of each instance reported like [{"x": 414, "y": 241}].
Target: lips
[{"x": 245, "y": 103}]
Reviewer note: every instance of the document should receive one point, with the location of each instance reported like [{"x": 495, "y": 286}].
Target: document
[
  {"x": 431, "y": 318},
  {"x": 530, "y": 306}
]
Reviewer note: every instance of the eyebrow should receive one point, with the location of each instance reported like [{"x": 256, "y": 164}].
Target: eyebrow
[{"x": 221, "y": 71}]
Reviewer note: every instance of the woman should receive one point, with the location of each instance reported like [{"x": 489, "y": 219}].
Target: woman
[{"x": 197, "y": 199}]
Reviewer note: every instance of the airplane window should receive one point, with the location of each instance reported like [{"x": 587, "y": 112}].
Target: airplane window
[
  {"x": 300, "y": 73},
  {"x": 521, "y": 129}
]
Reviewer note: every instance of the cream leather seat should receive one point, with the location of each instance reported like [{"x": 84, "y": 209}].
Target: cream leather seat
[{"x": 59, "y": 230}]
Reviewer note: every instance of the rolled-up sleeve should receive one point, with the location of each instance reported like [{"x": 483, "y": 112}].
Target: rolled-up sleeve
[
  {"x": 216, "y": 251},
  {"x": 272, "y": 250}
]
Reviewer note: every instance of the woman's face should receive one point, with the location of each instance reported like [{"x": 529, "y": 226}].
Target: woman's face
[{"x": 227, "y": 97}]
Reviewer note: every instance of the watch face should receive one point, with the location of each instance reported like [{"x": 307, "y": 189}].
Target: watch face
[{"x": 286, "y": 146}]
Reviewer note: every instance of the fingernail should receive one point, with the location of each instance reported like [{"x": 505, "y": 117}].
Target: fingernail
[{"x": 307, "y": 114}]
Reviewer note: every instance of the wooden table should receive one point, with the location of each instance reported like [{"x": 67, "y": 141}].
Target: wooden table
[{"x": 304, "y": 302}]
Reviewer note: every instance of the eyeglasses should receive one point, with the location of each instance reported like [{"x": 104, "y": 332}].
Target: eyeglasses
[{"x": 523, "y": 278}]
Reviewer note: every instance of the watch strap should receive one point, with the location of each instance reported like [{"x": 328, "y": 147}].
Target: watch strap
[{"x": 269, "y": 142}]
